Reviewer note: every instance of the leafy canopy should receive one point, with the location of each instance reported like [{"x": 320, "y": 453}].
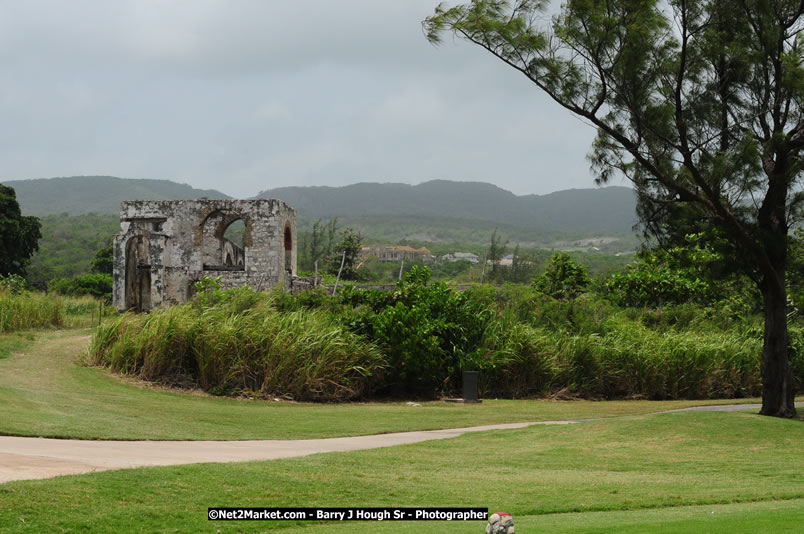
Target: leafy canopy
[
  {"x": 19, "y": 235},
  {"x": 103, "y": 262}
]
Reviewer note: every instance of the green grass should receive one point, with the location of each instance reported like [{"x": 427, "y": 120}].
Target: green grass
[
  {"x": 43, "y": 392},
  {"x": 14, "y": 342},
  {"x": 682, "y": 472}
]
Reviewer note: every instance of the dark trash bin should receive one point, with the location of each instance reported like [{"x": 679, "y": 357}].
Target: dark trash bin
[{"x": 470, "y": 386}]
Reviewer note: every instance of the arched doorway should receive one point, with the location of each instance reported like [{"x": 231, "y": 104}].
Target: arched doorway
[
  {"x": 138, "y": 274},
  {"x": 288, "y": 250}
]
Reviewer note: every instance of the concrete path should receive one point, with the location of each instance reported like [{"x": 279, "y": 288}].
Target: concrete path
[
  {"x": 724, "y": 408},
  {"x": 30, "y": 458}
]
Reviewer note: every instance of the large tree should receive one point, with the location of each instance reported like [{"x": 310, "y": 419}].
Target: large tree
[
  {"x": 697, "y": 102},
  {"x": 19, "y": 235}
]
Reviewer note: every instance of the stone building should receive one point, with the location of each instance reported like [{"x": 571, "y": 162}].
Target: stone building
[{"x": 165, "y": 246}]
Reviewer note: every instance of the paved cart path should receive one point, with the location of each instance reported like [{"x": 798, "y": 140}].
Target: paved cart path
[
  {"x": 27, "y": 458},
  {"x": 24, "y": 458}
]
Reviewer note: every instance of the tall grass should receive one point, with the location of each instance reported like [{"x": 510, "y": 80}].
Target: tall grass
[
  {"x": 33, "y": 309},
  {"x": 242, "y": 344},
  {"x": 29, "y": 310},
  {"x": 624, "y": 359}
]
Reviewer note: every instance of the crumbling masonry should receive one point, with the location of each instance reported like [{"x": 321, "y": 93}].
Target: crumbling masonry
[{"x": 164, "y": 247}]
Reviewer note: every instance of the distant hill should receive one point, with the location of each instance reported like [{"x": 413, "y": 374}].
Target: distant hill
[
  {"x": 602, "y": 210},
  {"x": 575, "y": 211},
  {"x": 439, "y": 210},
  {"x": 77, "y": 195}
]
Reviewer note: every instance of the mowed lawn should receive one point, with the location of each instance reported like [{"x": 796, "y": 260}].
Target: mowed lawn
[
  {"x": 637, "y": 471},
  {"x": 44, "y": 392},
  {"x": 680, "y": 472}
]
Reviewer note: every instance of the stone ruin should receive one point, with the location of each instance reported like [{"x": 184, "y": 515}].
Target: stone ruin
[{"x": 165, "y": 246}]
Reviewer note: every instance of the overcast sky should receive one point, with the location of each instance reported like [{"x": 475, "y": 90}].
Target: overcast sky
[{"x": 246, "y": 95}]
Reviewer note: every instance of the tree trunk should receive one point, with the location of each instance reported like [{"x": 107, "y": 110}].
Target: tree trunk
[{"x": 778, "y": 394}]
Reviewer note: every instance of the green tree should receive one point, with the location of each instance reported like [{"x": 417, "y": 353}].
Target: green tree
[
  {"x": 317, "y": 244},
  {"x": 523, "y": 266},
  {"x": 103, "y": 262},
  {"x": 495, "y": 253},
  {"x": 699, "y": 104},
  {"x": 348, "y": 252},
  {"x": 19, "y": 235},
  {"x": 562, "y": 278}
]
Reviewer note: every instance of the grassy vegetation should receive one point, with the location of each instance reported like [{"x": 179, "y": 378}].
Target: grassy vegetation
[
  {"x": 416, "y": 340},
  {"x": 14, "y": 342},
  {"x": 36, "y": 310},
  {"x": 70, "y": 400},
  {"x": 698, "y": 471},
  {"x": 620, "y": 357},
  {"x": 241, "y": 343},
  {"x": 28, "y": 310}
]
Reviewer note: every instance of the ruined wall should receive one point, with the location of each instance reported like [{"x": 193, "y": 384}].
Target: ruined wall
[{"x": 165, "y": 246}]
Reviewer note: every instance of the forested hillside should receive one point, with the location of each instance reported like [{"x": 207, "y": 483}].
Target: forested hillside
[
  {"x": 408, "y": 208},
  {"x": 606, "y": 210},
  {"x": 77, "y": 195},
  {"x": 68, "y": 245}
]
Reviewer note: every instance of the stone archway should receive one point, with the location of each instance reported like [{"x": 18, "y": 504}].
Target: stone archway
[{"x": 218, "y": 251}]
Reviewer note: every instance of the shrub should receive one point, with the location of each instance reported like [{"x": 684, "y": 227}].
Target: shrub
[
  {"x": 428, "y": 332},
  {"x": 682, "y": 274},
  {"x": 95, "y": 285},
  {"x": 14, "y": 283}
]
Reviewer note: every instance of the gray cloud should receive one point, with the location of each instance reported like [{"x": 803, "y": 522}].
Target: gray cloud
[{"x": 245, "y": 95}]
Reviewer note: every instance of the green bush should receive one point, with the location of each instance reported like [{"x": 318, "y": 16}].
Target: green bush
[
  {"x": 14, "y": 283},
  {"x": 428, "y": 333},
  {"x": 632, "y": 360},
  {"x": 95, "y": 285},
  {"x": 513, "y": 360},
  {"x": 692, "y": 273}
]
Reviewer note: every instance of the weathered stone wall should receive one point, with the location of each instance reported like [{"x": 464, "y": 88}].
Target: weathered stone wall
[{"x": 165, "y": 246}]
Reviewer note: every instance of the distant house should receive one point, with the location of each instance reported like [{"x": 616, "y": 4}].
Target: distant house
[
  {"x": 461, "y": 256},
  {"x": 397, "y": 253}
]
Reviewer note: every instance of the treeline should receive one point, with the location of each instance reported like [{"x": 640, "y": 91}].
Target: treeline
[{"x": 322, "y": 247}]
